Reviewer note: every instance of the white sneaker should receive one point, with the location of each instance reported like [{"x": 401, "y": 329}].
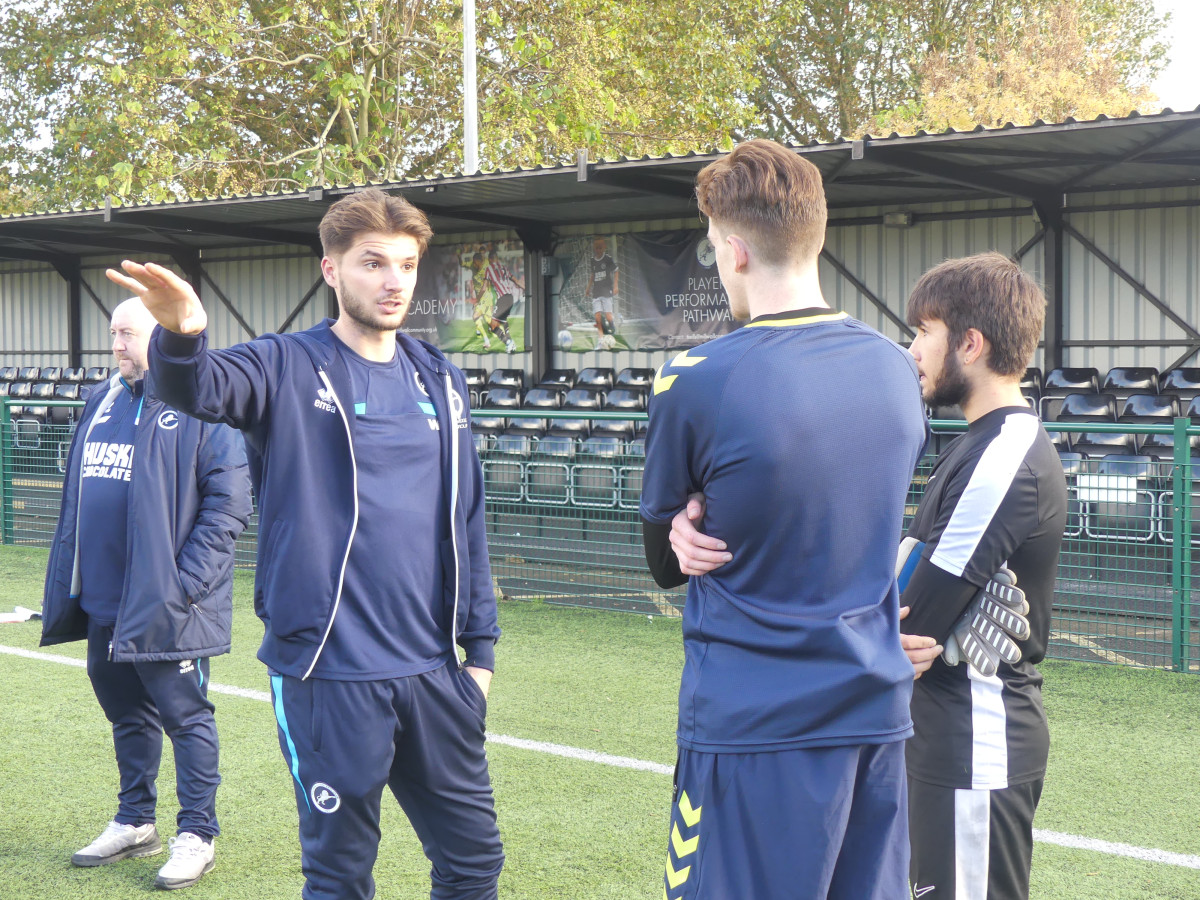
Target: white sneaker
[
  {"x": 510, "y": 345},
  {"x": 119, "y": 842},
  {"x": 191, "y": 859}
]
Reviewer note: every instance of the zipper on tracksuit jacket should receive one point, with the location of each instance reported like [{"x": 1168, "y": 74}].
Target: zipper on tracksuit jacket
[{"x": 337, "y": 598}]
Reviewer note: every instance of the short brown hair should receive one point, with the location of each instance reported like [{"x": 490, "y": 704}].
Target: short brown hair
[
  {"x": 367, "y": 211},
  {"x": 989, "y": 292},
  {"x": 770, "y": 195}
]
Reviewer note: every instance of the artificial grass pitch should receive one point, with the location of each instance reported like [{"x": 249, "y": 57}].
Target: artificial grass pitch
[{"x": 1125, "y": 766}]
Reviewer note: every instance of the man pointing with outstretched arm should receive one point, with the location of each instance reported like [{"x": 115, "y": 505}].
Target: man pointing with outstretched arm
[{"x": 372, "y": 556}]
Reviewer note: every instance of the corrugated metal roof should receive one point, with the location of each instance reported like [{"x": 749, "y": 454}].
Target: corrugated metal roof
[{"x": 1042, "y": 163}]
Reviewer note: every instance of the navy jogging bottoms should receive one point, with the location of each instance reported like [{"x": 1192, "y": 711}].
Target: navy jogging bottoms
[
  {"x": 423, "y": 737},
  {"x": 142, "y": 700}
]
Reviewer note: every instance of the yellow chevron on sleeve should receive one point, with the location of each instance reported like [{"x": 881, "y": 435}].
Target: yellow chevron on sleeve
[
  {"x": 681, "y": 847},
  {"x": 663, "y": 383},
  {"x": 690, "y": 816},
  {"x": 676, "y": 877},
  {"x": 687, "y": 361}
]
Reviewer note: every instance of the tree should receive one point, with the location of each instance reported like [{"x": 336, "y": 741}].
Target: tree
[
  {"x": 837, "y": 68},
  {"x": 153, "y": 100},
  {"x": 1057, "y": 61}
]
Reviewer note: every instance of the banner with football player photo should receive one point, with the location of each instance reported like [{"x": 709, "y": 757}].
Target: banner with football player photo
[
  {"x": 649, "y": 291},
  {"x": 470, "y": 298}
]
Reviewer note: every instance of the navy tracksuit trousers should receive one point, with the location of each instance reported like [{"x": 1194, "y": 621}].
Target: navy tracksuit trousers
[
  {"x": 423, "y": 737},
  {"x": 142, "y": 700}
]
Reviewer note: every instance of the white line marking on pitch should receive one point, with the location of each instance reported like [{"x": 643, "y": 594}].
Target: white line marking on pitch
[{"x": 1075, "y": 842}]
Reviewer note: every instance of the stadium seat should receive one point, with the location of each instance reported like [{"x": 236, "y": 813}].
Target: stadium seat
[
  {"x": 1090, "y": 408},
  {"x": 30, "y": 374},
  {"x": 536, "y": 398},
  {"x": 509, "y": 378},
  {"x": 1182, "y": 383},
  {"x": 1119, "y": 502},
  {"x": 96, "y": 374},
  {"x": 561, "y": 380},
  {"x": 1072, "y": 463},
  {"x": 51, "y": 373},
  {"x": 64, "y": 415},
  {"x": 491, "y": 425},
  {"x": 1060, "y": 382},
  {"x": 72, "y": 375},
  {"x": 1150, "y": 409},
  {"x": 42, "y": 390},
  {"x": 548, "y": 471},
  {"x": 1122, "y": 381},
  {"x": 504, "y": 467},
  {"x": 600, "y": 379},
  {"x": 631, "y": 474},
  {"x": 476, "y": 379},
  {"x": 616, "y": 400},
  {"x": 8, "y": 373},
  {"x": 584, "y": 401},
  {"x": 596, "y": 475},
  {"x": 1031, "y": 382},
  {"x": 634, "y": 379}
]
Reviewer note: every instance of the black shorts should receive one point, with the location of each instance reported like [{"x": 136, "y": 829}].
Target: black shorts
[
  {"x": 971, "y": 844},
  {"x": 504, "y": 306}
]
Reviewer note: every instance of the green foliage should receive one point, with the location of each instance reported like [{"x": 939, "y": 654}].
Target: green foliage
[{"x": 158, "y": 100}]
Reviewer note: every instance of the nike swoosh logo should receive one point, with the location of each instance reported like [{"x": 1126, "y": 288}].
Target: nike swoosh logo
[{"x": 922, "y": 891}]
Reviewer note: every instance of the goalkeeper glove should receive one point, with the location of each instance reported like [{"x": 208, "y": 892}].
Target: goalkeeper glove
[{"x": 984, "y": 635}]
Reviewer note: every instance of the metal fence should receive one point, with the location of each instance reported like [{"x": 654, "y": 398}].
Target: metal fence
[{"x": 563, "y": 526}]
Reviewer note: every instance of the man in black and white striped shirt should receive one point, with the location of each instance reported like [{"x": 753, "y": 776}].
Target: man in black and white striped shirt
[{"x": 996, "y": 498}]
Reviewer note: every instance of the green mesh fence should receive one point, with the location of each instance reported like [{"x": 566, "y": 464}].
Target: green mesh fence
[{"x": 563, "y": 524}]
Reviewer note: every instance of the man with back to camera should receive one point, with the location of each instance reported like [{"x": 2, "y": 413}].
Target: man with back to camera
[
  {"x": 142, "y": 568},
  {"x": 372, "y": 559},
  {"x": 793, "y": 706},
  {"x": 994, "y": 502}
]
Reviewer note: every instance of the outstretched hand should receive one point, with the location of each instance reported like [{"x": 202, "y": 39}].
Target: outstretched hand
[
  {"x": 168, "y": 297},
  {"x": 697, "y": 552}
]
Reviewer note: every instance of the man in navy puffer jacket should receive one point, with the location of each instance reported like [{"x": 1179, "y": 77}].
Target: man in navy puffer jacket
[{"x": 142, "y": 568}]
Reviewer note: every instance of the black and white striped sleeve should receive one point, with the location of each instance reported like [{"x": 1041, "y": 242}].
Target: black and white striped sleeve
[{"x": 987, "y": 511}]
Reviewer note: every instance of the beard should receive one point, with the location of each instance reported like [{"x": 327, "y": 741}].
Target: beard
[
  {"x": 366, "y": 312},
  {"x": 951, "y": 387}
]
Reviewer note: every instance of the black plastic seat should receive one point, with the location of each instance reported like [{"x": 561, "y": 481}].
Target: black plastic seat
[
  {"x": 1119, "y": 502},
  {"x": 1121, "y": 381},
  {"x": 65, "y": 415},
  {"x": 1182, "y": 383},
  {"x": 1090, "y": 408},
  {"x": 476, "y": 379},
  {"x": 536, "y": 398},
  {"x": 1031, "y": 382},
  {"x": 548, "y": 471},
  {"x": 51, "y": 373},
  {"x": 509, "y": 378},
  {"x": 1150, "y": 409},
  {"x": 561, "y": 380},
  {"x": 29, "y": 374},
  {"x": 1060, "y": 382},
  {"x": 583, "y": 400},
  {"x": 96, "y": 374},
  {"x": 595, "y": 378},
  {"x": 503, "y": 398},
  {"x": 614, "y": 401},
  {"x": 8, "y": 373},
  {"x": 634, "y": 379},
  {"x": 72, "y": 375}
]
